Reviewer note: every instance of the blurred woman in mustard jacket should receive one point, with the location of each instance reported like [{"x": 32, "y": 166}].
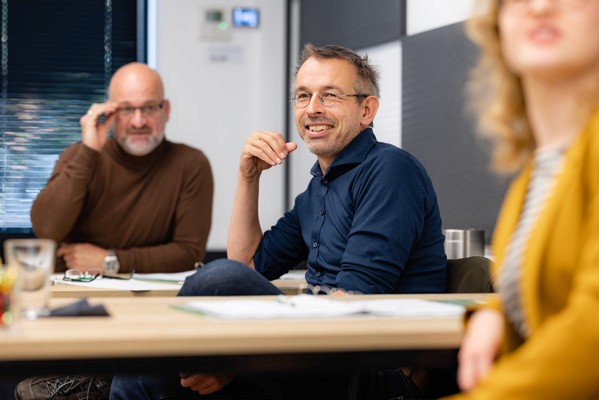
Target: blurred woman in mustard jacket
[{"x": 538, "y": 85}]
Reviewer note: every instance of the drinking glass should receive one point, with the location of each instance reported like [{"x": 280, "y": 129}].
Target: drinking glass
[{"x": 33, "y": 260}]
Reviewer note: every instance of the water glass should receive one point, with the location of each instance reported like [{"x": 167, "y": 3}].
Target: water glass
[{"x": 33, "y": 260}]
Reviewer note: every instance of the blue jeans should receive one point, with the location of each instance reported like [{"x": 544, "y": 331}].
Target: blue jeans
[
  {"x": 227, "y": 278},
  {"x": 281, "y": 386},
  {"x": 217, "y": 278},
  {"x": 167, "y": 387}
]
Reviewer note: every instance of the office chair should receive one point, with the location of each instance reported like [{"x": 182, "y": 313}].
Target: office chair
[
  {"x": 469, "y": 275},
  {"x": 464, "y": 275}
]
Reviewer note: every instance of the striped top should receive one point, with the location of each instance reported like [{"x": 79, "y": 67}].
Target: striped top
[{"x": 547, "y": 164}]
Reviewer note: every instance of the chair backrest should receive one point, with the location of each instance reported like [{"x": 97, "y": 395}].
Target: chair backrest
[{"x": 469, "y": 275}]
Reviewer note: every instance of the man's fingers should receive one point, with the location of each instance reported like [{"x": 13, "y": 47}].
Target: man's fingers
[
  {"x": 106, "y": 125},
  {"x": 205, "y": 388},
  {"x": 202, "y": 383},
  {"x": 64, "y": 249},
  {"x": 91, "y": 116},
  {"x": 269, "y": 147},
  {"x": 108, "y": 121},
  {"x": 205, "y": 383},
  {"x": 291, "y": 147},
  {"x": 264, "y": 153},
  {"x": 262, "y": 150},
  {"x": 96, "y": 110}
]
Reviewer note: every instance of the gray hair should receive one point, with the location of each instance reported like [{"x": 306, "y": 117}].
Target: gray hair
[{"x": 367, "y": 74}]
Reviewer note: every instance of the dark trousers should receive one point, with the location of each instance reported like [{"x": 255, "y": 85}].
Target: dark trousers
[{"x": 230, "y": 278}]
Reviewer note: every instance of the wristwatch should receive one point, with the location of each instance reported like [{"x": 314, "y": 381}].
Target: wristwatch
[{"x": 111, "y": 263}]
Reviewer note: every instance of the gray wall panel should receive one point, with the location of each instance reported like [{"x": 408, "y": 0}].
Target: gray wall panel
[
  {"x": 351, "y": 23},
  {"x": 437, "y": 129}
]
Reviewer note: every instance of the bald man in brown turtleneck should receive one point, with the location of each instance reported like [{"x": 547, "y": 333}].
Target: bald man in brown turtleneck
[{"x": 131, "y": 202}]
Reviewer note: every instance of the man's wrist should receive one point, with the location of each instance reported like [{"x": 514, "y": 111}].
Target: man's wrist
[{"x": 111, "y": 263}]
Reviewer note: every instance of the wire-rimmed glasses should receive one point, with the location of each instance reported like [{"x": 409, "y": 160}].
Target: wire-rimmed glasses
[
  {"x": 74, "y": 275},
  {"x": 328, "y": 99},
  {"x": 147, "y": 110}
]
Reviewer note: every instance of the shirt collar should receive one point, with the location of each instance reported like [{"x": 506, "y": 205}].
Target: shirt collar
[{"x": 354, "y": 153}]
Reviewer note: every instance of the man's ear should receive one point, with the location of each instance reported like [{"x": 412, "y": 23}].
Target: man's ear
[
  {"x": 167, "y": 108},
  {"x": 371, "y": 106}
]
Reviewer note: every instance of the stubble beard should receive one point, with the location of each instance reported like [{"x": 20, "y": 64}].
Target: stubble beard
[{"x": 137, "y": 148}]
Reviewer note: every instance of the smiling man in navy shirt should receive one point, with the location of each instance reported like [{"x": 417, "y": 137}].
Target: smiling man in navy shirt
[{"x": 368, "y": 222}]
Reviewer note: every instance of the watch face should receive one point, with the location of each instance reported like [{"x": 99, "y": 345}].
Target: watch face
[{"x": 111, "y": 264}]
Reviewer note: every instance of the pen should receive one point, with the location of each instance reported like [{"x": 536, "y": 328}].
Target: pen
[
  {"x": 284, "y": 300},
  {"x": 119, "y": 277}
]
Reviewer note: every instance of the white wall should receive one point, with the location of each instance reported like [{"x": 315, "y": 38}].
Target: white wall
[
  {"x": 387, "y": 59},
  {"x": 216, "y": 105},
  {"x": 221, "y": 90},
  {"x": 424, "y": 15}
]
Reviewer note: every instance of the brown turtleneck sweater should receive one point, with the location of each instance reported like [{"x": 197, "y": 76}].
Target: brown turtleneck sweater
[{"x": 155, "y": 211}]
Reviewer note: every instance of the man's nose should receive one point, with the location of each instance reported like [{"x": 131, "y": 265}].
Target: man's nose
[
  {"x": 315, "y": 105},
  {"x": 138, "y": 119}
]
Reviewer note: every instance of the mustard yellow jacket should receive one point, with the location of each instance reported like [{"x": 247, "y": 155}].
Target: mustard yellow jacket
[{"x": 559, "y": 286}]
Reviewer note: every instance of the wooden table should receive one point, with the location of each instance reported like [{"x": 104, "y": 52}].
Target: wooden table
[{"x": 149, "y": 335}]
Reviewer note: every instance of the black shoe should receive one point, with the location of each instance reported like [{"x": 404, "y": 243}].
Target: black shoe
[{"x": 69, "y": 387}]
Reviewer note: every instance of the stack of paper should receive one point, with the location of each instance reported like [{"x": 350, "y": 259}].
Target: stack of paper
[
  {"x": 172, "y": 277},
  {"x": 134, "y": 285},
  {"x": 293, "y": 275},
  {"x": 306, "y": 306}
]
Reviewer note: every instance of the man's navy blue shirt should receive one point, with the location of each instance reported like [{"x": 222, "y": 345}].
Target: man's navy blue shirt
[{"x": 371, "y": 224}]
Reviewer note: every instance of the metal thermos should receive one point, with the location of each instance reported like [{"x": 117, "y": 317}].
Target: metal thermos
[{"x": 460, "y": 243}]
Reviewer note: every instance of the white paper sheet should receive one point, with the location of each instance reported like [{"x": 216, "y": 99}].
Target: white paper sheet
[
  {"x": 306, "y": 306},
  {"x": 178, "y": 277},
  {"x": 292, "y": 275},
  {"x": 119, "y": 284}
]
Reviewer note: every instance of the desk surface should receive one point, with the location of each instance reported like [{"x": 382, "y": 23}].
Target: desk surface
[{"x": 150, "y": 333}]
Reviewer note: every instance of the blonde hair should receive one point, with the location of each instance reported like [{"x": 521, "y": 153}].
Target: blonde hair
[{"x": 496, "y": 94}]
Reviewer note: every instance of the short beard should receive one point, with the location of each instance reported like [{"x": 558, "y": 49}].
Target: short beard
[
  {"x": 141, "y": 149},
  {"x": 320, "y": 149}
]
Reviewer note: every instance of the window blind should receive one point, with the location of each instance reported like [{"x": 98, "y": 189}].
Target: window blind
[{"x": 56, "y": 58}]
